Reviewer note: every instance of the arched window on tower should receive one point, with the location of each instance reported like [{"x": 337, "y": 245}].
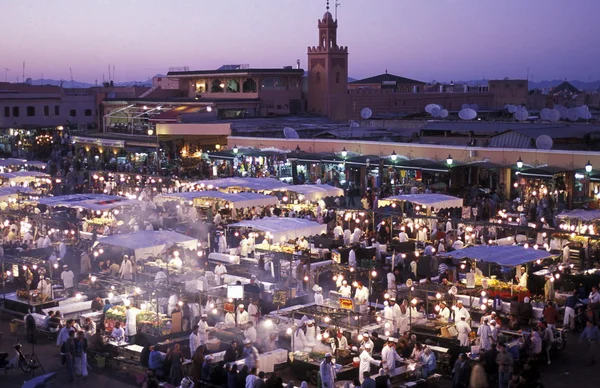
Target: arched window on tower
[
  {"x": 337, "y": 78},
  {"x": 330, "y": 43},
  {"x": 318, "y": 77}
]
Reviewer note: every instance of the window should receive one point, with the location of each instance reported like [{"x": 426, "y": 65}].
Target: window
[
  {"x": 16, "y": 111},
  {"x": 30, "y": 111},
  {"x": 249, "y": 86},
  {"x": 337, "y": 78},
  {"x": 87, "y": 112},
  {"x": 46, "y": 110},
  {"x": 217, "y": 86},
  {"x": 7, "y": 111},
  {"x": 72, "y": 113},
  {"x": 318, "y": 77},
  {"x": 56, "y": 110}
]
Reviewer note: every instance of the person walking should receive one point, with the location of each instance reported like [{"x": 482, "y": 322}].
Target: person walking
[
  {"x": 70, "y": 351},
  {"x": 461, "y": 372},
  {"x": 505, "y": 366},
  {"x": 591, "y": 335},
  {"x": 176, "y": 357},
  {"x": 81, "y": 347}
]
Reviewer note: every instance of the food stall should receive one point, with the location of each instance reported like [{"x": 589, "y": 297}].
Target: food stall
[
  {"x": 505, "y": 257},
  {"x": 147, "y": 243},
  {"x": 24, "y": 178},
  {"x": 427, "y": 204},
  {"x": 311, "y": 193},
  {"x": 237, "y": 184}
]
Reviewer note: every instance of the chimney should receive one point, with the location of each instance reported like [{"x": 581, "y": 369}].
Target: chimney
[{"x": 298, "y": 64}]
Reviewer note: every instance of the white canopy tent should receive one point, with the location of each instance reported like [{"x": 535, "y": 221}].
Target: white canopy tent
[
  {"x": 285, "y": 228},
  {"x": 258, "y": 184},
  {"x": 96, "y": 202},
  {"x": 313, "y": 193},
  {"x": 12, "y": 192},
  {"x": 437, "y": 201},
  {"x": 583, "y": 215},
  {"x": 508, "y": 256},
  {"x": 19, "y": 177},
  {"x": 237, "y": 201},
  {"x": 149, "y": 242}
]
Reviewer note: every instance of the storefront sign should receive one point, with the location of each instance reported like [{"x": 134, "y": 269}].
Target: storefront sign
[
  {"x": 346, "y": 304},
  {"x": 470, "y": 279}
]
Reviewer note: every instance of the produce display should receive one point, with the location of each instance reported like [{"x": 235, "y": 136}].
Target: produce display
[{"x": 146, "y": 320}]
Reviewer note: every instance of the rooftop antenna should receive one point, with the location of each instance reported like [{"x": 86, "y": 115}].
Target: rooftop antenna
[
  {"x": 109, "y": 78},
  {"x": 6, "y": 70},
  {"x": 337, "y": 5},
  {"x": 113, "y": 73},
  {"x": 71, "y": 71},
  {"x": 528, "y": 74},
  {"x": 23, "y": 71}
]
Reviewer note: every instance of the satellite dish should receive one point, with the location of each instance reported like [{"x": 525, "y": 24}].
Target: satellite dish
[
  {"x": 354, "y": 124},
  {"x": 553, "y": 115},
  {"x": 521, "y": 114},
  {"x": 409, "y": 283},
  {"x": 572, "y": 115},
  {"x": 366, "y": 113},
  {"x": 111, "y": 95},
  {"x": 435, "y": 112},
  {"x": 545, "y": 114},
  {"x": 467, "y": 114},
  {"x": 475, "y": 107},
  {"x": 584, "y": 112},
  {"x": 544, "y": 142},
  {"x": 512, "y": 109},
  {"x": 444, "y": 113},
  {"x": 430, "y": 107},
  {"x": 290, "y": 133},
  {"x": 465, "y": 106}
]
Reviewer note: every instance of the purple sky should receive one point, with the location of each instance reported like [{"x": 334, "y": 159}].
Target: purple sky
[{"x": 422, "y": 39}]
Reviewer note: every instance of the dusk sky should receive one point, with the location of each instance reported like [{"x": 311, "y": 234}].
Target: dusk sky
[{"x": 422, "y": 39}]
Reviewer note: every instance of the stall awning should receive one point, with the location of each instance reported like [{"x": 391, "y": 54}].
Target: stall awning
[
  {"x": 149, "y": 242},
  {"x": 314, "y": 192},
  {"x": 583, "y": 215},
  {"x": 285, "y": 228},
  {"x": 242, "y": 183},
  {"x": 11, "y": 192},
  {"x": 24, "y": 176},
  {"x": 97, "y": 202},
  {"x": 437, "y": 201},
  {"x": 508, "y": 256},
  {"x": 239, "y": 200}
]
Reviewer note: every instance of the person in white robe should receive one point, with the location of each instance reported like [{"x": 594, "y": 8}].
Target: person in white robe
[
  {"x": 345, "y": 290},
  {"x": 244, "y": 247},
  {"x": 220, "y": 271},
  {"x": 130, "y": 324},
  {"x": 366, "y": 360},
  {"x": 347, "y": 236},
  {"x": 253, "y": 313},
  {"x": 242, "y": 315},
  {"x": 194, "y": 340},
  {"x": 222, "y": 243},
  {"x": 389, "y": 355},
  {"x": 126, "y": 272},
  {"x": 311, "y": 334},
  {"x": 463, "y": 329},
  {"x": 485, "y": 336},
  {"x": 318, "y": 295}
]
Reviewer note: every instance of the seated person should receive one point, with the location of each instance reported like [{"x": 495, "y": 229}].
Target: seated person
[
  {"x": 54, "y": 322},
  {"x": 118, "y": 334}
]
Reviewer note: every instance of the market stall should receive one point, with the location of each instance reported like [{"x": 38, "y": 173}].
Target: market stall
[
  {"x": 149, "y": 243},
  {"x": 432, "y": 202},
  {"x": 207, "y": 198},
  {"x": 96, "y": 202},
  {"x": 283, "y": 229},
  {"x": 312, "y": 193},
  {"x": 256, "y": 184},
  {"x": 24, "y": 178}
]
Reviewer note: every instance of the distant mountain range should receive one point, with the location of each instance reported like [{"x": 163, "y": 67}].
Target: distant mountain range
[
  {"x": 593, "y": 85},
  {"x": 587, "y": 86},
  {"x": 78, "y": 84}
]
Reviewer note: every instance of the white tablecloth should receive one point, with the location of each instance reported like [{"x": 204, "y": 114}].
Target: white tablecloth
[
  {"x": 268, "y": 360},
  {"x": 224, "y": 258}
]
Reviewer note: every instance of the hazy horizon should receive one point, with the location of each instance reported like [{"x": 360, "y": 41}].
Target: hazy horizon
[{"x": 437, "y": 39}]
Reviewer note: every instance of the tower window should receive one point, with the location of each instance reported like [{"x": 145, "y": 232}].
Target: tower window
[
  {"x": 318, "y": 77},
  {"x": 337, "y": 78}
]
